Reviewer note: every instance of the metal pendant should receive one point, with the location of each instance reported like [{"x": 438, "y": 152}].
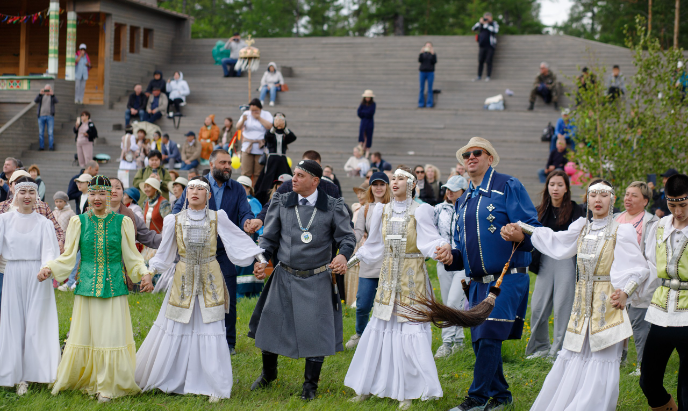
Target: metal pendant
[{"x": 306, "y": 237}]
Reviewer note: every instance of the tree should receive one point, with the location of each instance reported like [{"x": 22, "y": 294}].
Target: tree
[{"x": 643, "y": 132}]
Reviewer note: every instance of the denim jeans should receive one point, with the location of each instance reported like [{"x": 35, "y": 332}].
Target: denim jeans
[
  {"x": 193, "y": 164},
  {"x": 488, "y": 373},
  {"x": 72, "y": 276},
  {"x": 127, "y": 116},
  {"x": 367, "y": 287},
  {"x": 428, "y": 76},
  {"x": 44, "y": 121},
  {"x": 264, "y": 91},
  {"x": 152, "y": 118},
  {"x": 228, "y": 67}
]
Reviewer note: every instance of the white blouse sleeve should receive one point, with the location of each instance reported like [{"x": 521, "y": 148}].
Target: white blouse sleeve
[
  {"x": 558, "y": 245},
  {"x": 629, "y": 263},
  {"x": 167, "y": 251},
  {"x": 240, "y": 248},
  {"x": 428, "y": 239},
  {"x": 372, "y": 250}
]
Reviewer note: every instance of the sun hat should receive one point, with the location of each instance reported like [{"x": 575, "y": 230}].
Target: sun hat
[
  {"x": 180, "y": 180},
  {"x": 153, "y": 182},
  {"x": 456, "y": 183},
  {"x": 22, "y": 173},
  {"x": 361, "y": 188},
  {"x": 478, "y": 142},
  {"x": 368, "y": 93},
  {"x": 133, "y": 193},
  {"x": 84, "y": 178},
  {"x": 245, "y": 181}
]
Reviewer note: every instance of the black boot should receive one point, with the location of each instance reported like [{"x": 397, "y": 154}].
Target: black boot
[
  {"x": 269, "y": 372},
  {"x": 531, "y": 106},
  {"x": 311, "y": 376}
]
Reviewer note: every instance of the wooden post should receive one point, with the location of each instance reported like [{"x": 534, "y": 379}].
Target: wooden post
[
  {"x": 676, "y": 23},
  {"x": 249, "y": 85},
  {"x": 649, "y": 17},
  {"x": 70, "y": 46},
  {"x": 54, "y": 39},
  {"x": 23, "y": 46}
]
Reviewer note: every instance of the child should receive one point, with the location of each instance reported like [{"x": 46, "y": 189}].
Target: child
[{"x": 63, "y": 211}]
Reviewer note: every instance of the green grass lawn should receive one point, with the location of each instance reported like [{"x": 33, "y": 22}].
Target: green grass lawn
[{"x": 524, "y": 377}]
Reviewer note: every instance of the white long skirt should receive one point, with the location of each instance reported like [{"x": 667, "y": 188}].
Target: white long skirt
[
  {"x": 188, "y": 358},
  {"x": 394, "y": 360},
  {"x": 29, "y": 331},
  {"x": 582, "y": 381},
  {"x": 165, "y": 280}
]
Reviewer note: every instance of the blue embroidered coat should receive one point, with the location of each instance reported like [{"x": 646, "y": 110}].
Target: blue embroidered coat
[{"x": 480, "y": 250}]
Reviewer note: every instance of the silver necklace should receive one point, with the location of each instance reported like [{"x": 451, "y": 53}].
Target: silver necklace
[{"x": 306, "y": 236}]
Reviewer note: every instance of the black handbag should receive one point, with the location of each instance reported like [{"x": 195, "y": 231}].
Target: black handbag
[{"x": 263, "y": 158}]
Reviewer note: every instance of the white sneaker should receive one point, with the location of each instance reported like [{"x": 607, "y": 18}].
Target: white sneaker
[
  {"x": 360, "y": 398},
  {"x": 476, "y": 79},
  {"x": 635, "y": 373},
  {"x": 353, "y": 342},
  {"x": 538, "y": 354},
  {"x": 445, "y": 350},
  {"x": 63, "y": 287},
  {"x": 458, "y": 346},
  {"x": 73, "y": 286},
  {"x": 22, "y": 388},
  {"x": 405, "y": 404},
  {"x": 262, "y": 103},
  {"x": 170, "y": 114},
  {"x": 213, "y": 399},
  {"x": 487, "y": 79},
  {"x": 272, "y": 104}
]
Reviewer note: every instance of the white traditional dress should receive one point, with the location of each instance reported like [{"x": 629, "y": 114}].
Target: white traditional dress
[
  {"x": 186, "y": 351},
  {"x": 585, "y": 375},
  {"x": 394, "y": 357},
  {"x": 29, "y": 331}
]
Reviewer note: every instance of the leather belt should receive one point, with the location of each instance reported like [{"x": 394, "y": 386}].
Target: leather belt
[
  {"x": 486, "y": 279},
  {"x": 203, "y": 260},
  {"x": 675, "y": 284},
  {"x": 304, "y": 273}
]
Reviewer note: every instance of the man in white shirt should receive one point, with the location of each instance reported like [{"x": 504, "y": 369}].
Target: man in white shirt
[{"x": 668, "y": 313}]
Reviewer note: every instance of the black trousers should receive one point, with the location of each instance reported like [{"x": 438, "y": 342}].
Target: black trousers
[
  {"x": 176, "y": 104},
  {"x": 661, "y": 343},
  {"x": 485, "y": 56}
]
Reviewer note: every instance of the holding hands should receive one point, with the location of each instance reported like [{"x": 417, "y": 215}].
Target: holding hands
[
  {"x": 619, "y": 299},
  {"x": 444, "y": 254},
  {"x": 512, "y": 232},
  {"x": 338, "y": 264},
  {"x": 44, "y": 274},
  {"x": 259, "y": 270},
  {"x": 147, "y": 284}
]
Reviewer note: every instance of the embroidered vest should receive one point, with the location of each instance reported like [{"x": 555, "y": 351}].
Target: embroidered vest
[
  {"x": 101, "y": 271},
  {"x": 671, "y": 264},
  {"x": 402, "y": 277},
  {"x": 156, "y": 218},
  {"x": 593, "y": 287}
]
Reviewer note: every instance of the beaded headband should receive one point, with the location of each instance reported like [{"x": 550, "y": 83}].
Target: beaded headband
[
  {"x": 100, "y": 183},
  {"x": 676, "y": 200},
  {"x": 25, "y": 184},
  {"x": 400, "y": 172},
  {"x": 199, "y": 184},
  {"x": 601, "y": 187}
]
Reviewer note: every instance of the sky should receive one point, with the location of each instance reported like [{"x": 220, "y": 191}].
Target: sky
[{"x": 554, "y": 11}]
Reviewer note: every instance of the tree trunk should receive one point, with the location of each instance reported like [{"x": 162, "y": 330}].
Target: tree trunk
[
  {"x": 676, "y": 23},
  {"x": 649, "y": 18},
  {"x": 399, "y": 24}
]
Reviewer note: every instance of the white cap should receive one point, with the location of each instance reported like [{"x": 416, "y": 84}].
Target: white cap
[
  {"x": 84, "y": 178},
  {"x": 246, "y": 181},
  {"x": 82, "y": 46}
]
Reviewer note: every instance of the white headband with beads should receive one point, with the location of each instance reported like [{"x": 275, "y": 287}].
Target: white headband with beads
[
  {"x": 25, "y": 184},
  {"x": 199, "y": 184},
  {"x": 400, "y": 172},
  {"x": 601, "y": 187}
]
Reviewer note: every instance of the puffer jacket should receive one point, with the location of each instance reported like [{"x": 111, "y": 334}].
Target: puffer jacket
[
  {"x": 178, "y": 88},
  {"x": 270, "y": 79}
]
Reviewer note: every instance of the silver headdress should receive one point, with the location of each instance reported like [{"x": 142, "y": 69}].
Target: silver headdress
[{"x": 25, "y": 184}]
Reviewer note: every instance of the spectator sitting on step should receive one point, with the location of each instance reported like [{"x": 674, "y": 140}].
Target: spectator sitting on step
[
  {"x": 46, "y": 101},
  {"x": 191, "y": 154},
  {"x": 427, "y": 60},
  {"x": 227, "y": 134},
  {"x": 556, "y": 160},
  {"x": 616, "y": 84},
  {"x": 328, "y": 174},
  {"x": 356, "y": 165},
  {"x": 73, "y": 192},
  {"x": 86, "y": 133},
  {"x": 208, "y": 136},
  {"x": 193, "y": 172},
  {"x": 170, "y": 152},
  {"x": 178, "y": 89},
  {"x": 143, "y": 148},
  {"x": 487, "y": 41},
  {"x": 272, "y": 81},
  {"x": 8, "y": 167},
  {"x": 234, "y": 45},
  {"x": 158, "y": 82},
  {"x": 377, "y": 162},
  {"x": 156, "y": 142},
  {"x": 36, "y": 175},
  {"x": 156, "y": 171},
  {"x": 136, "y": 105},
  {"x": 564, "y": 130},
  {"x": 157, "y": 104},
  {"x": 545, "y": 86}
]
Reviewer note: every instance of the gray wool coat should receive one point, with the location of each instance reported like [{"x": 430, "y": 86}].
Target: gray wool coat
[{"x": 302, "y": 317}]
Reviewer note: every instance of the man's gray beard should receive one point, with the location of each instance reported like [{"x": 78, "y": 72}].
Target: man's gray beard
[{"x": 220, "y": 175}]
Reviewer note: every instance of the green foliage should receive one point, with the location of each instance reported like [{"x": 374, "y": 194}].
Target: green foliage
[
  {"x": 284, "y": 18},
  {"x": 642, "y": 133},
  {"x": 605, "y": 20}
]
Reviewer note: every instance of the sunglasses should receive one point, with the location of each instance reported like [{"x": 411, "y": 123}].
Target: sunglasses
[
  {"x": 420, "y": 172},
  {"x": 476, "y": 154}
]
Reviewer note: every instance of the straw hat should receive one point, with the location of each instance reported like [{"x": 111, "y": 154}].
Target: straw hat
[
  {"x": 153, "y": 182},
  {"x": 180, "y": 180},
  {"x": 84, "y": 178},
  {"x": 22, "y": 173},
  {"x": 482, "y": 143},
  {"x": 363, "y": 187},
  {"x": 368, "y": 93}
]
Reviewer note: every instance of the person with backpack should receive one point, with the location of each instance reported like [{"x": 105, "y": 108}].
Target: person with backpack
[{"x": 487, "y": 40}]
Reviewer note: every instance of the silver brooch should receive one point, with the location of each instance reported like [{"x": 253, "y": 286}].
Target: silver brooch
[
  {"x": 490, "y": 208},
  {"x": 492, "y": 228},
  {"x": 491, "y": 218}
]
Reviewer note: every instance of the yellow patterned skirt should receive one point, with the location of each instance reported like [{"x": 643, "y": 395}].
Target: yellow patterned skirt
[{"x": 100, "y": 355}]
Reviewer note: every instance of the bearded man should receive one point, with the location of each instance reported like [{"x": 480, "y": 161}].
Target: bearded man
[{"x": 230, "y": 196}]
